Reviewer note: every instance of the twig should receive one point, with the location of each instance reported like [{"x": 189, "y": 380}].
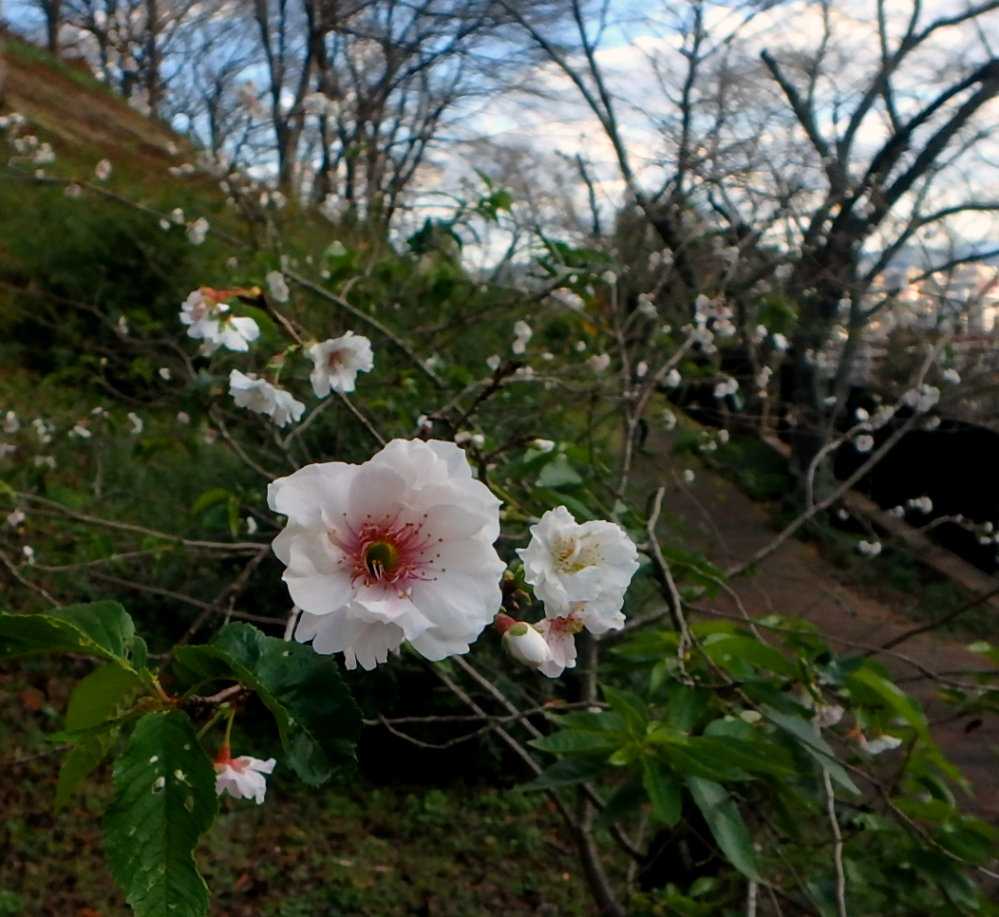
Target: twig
[
  {"x": 673, "y": 601},
  {"x": 838, "y": 848},
  {"x": 24, "y": 581},
  {"x": 307, "y": 284},
  {"x": 936, "y": 622},
  {"x": 234, "y": 546}
]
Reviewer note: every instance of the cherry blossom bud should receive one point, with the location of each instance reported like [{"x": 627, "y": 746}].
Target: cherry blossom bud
[{"x": 526, "y": 645}]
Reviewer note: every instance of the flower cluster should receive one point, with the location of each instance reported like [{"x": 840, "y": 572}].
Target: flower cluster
[{"x": 581, "y": 572}]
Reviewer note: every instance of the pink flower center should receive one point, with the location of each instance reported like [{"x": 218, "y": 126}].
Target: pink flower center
[{"x": 388, "y": 552}]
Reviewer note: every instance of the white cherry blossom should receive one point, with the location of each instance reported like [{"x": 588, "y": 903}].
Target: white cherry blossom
[
  {"x": 878, "y": 744},
  {"x": 398, "y": 548},
  {"x": 102, "y": 171},
  {"x": 197, "y": 231},
  {"x": 869, "y": 548},
  {"x": 208, "y": 320},
  {"x": 583, "y": 567},
  {"x": 243, "y": 777},
  {"x": 522, "y": 333},
  {"x": 336, "y": 363},
  {"x": 260, "y": 396},
  {"x": 599, "y": 362},
  {"x": 278, "y": 286},
  {"x": 560, "y": 636}
]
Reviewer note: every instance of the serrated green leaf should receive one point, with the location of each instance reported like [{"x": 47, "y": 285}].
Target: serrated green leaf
[
  {"x": 79, "y": 763},
  {"x": 726, "y": 824},
  {"x": 101, "y": 629},
  {"x": 317, "y": 719},
  {"x": 664, "y": 792},
  {"x": 99, "y": 697},
  {"x": 164, "y": 801}
]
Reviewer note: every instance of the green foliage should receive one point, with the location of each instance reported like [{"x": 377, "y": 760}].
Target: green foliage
[
  {"x": 96, "y": 700},
  {"x": 165, "y": 800},
  {"x": 316, "y": 717},
  {"x": 101, "y": 629},
  {"x": 726, "y": 824}
]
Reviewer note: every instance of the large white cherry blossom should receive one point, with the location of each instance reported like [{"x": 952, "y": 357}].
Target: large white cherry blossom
[
  {"x": 336, "y": 363},
  {"x": 398, "y": 548}
]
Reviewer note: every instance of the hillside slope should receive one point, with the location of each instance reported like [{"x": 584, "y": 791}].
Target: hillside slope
[{"x": 80, "y": 117}]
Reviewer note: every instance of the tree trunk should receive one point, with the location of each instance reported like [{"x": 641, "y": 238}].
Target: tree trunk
[
  {"x": 154, "y": 89},
  {"x": 53, "y": 21}
]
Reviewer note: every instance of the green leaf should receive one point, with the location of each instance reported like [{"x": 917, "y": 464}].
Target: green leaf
[
  {"x": 698, "y": 757},
  {"x": 627, "y": 798},
  {"x": 101, "y": 629},
  {"x": 869, "y": 687},
  {"x": 317, "y": 719},
  {"x": 79, "y": 763},
  {"x": 631, "y": 708},
  {"x": 573, "y": 742},
  {"x": 809, "y": 738},
  {"x": 726, "y": 824},
  {"x": 566, "y": 772},
  {"x": 99, "y": 696},
  {"x": 209, "y": 499},
  {"x": 735, "y": 653},
  {"x": 559, "y": 473},
  {"x": 95, "y": 700},
  {"x": 663, "y": 791},
  {"x": 686, "y": 706},
  {"x": 165, "y": 800}
]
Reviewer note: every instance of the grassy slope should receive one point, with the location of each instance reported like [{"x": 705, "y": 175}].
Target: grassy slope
[{"x": 354, "y": 848}]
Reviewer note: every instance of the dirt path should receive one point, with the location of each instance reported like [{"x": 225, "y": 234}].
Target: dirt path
[{"x": 720, "y": 521}]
